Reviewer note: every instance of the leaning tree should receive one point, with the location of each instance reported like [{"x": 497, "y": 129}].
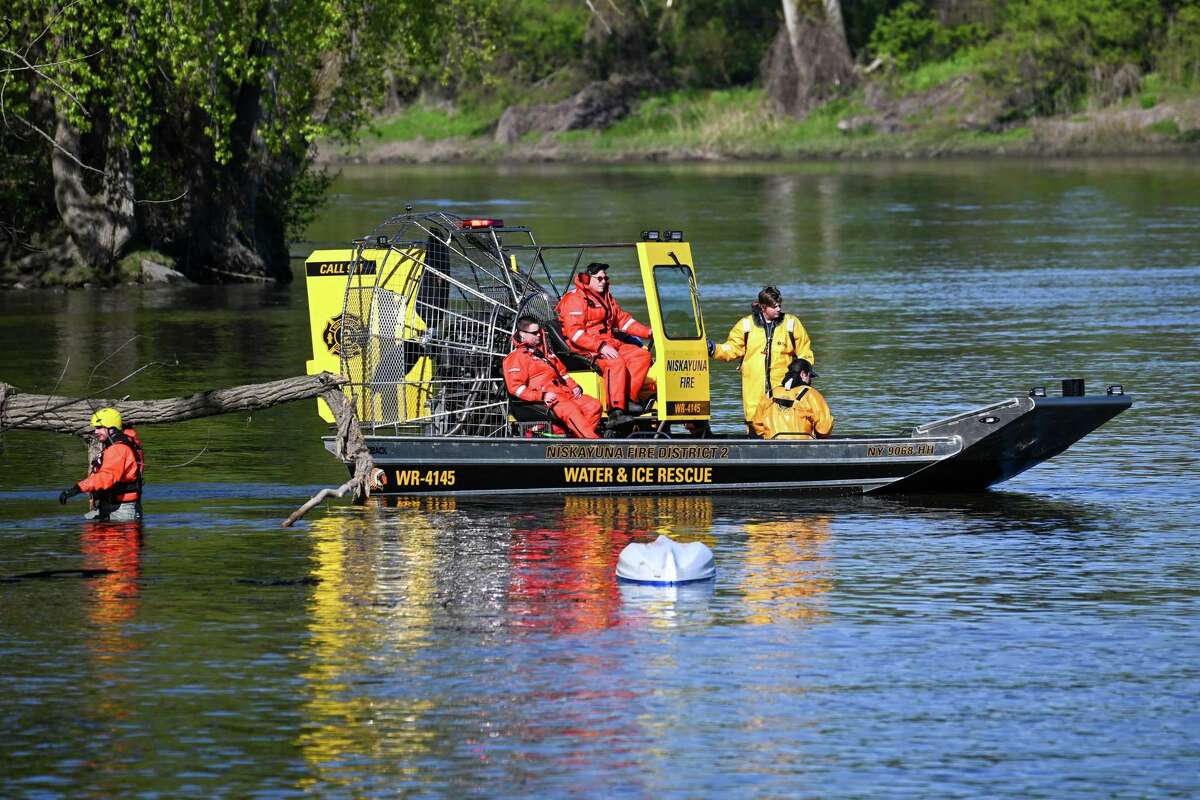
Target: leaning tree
[{"x": 188, "y": 127}]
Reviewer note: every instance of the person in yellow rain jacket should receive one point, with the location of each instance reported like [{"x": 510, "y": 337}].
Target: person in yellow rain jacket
[
  {"x": 766, "y": 340},
  {"x": 794, "y": 409}
]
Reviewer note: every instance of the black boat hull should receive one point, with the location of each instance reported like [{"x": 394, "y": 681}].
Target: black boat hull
[
  {"x": 1033, "y": 431},
  {"x": 967, "y": 452}
]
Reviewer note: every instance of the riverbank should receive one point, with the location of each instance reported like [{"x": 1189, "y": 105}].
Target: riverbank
[{"x": 929, "y": 119}]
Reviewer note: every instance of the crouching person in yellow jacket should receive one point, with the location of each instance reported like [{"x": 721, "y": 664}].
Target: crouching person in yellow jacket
[
  {"x": 766, "y": 340},
  {"x": 794, "y": 410}
]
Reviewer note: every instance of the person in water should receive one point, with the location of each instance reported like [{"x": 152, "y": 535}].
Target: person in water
[
  {"x": 794, "y": 409},
  {"x": 115, "y": 478},
  {"x": 766, "y": 340},
  {"x": 534, "y": 374},
  {"x": 596, "y": 326}
]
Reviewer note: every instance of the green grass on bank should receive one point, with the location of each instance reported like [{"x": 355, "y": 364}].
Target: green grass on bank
[
  {"x": 419, "y": 121},
  {"x": 930, "y": 76},
  {"x": 731, "y": 122},
  {"x": 739, "y": 123}
]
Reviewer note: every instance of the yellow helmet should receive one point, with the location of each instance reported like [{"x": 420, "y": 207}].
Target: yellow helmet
[{"x": 107, "y": 418}]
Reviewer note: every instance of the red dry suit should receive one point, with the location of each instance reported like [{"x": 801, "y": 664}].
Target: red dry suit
[
  {"x": 531, "y": 372},
  {"x": 116, "y": 475},
  {"x": 589, "y": 321}
]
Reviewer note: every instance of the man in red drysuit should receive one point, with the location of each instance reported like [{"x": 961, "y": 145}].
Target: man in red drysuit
[
  {"x": 591, "y": 321},
  {"x": 534, "y": 374}
]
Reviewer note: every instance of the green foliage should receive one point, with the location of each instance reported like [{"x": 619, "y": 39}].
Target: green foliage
[
  {"x": 1151, "y": 89},
  {"x": 936, "y": 73},
  {"x": 692, "y": 44},
  {"x": 718, "y": 43},
  {"x": 1109, "y": 31},
  {"x": 1179, "y": 58},
  {"x": 129, "y": 268},
  {"x": 860, "y": 19},
  {"x": 446, "y": 44},
  {"x": 909, "y": 36},
  {"x": 540, "y": 37},
  {"x": 1039, "y": 73},
  {"x": 905, "y": 36},
  {"x": 1052, "y": 53},
  {"x": 732, "y": 120}
]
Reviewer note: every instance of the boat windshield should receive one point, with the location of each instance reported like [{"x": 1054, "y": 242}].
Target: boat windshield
[{"x": 676, "y": 300}]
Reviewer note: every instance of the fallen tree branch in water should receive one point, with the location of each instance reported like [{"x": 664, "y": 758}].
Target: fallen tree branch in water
[
  {"x": 23, "y": 411},
  {"x": 349, "y": 448},
  {"x": 316, "y": 500},
  {"x": 19, "y": 410}
]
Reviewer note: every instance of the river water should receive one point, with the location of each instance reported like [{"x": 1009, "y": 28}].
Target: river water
[{"x": 1037, "y": 640}]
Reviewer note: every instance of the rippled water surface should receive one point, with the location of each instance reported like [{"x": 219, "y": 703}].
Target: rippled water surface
[{"x": 1036, "y": 640}]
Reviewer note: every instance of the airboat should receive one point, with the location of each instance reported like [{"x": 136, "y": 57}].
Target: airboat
[{"x": 419, "y": 315}]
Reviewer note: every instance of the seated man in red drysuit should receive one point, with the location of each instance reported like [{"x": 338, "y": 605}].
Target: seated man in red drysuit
[
  {"x": 591, "y": 320},
  {"x": 534, "y": 374}
]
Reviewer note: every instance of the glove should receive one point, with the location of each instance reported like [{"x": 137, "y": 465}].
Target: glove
[
  {"x": 67, "y": 494},
  {"x": 712, "y": 346}
]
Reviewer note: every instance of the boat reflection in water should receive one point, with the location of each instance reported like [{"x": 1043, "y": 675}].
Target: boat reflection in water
[
  {"x": 788, "y": 571},
  {"x": 419, "y": 604},
  {"x": 563, "y": 564},
  {"x": 372, "y": 601}
]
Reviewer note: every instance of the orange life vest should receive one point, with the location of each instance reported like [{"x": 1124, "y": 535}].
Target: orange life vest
[{"x": 116, "y": 473}]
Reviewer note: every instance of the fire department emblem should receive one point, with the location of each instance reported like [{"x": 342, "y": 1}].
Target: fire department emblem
[{"x": 344, "y": 335}]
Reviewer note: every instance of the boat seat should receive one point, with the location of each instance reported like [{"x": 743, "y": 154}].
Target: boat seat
[
  {"x": 534, "y": 419},
  {"x": 530, "y": 412},
  {"x": 558, "y": 343}
]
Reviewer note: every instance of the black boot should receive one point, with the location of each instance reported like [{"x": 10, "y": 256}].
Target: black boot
[{"x": 618, "y": 417}]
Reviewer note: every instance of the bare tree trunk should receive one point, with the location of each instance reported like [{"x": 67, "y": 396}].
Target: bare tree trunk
[
  {"x": 809, "y": 61},
  {"x": 100, "y": 223},
  {"x": 833, "y": 15},
  {"x": 73, "y": 415},
  {"x": 791, "y": 25}
]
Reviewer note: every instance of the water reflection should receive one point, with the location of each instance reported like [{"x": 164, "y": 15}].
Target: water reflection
[
  {"x": 563, "y": 575},
  {"x": 358, "y": 569},
  {"x": 781, "y": 243},
  {"x": 117, "y": 548},
  {"x": 397, "y": 580},
  {"x": 112, "y": 602},
  {"x": 668, "y": 606},
  {"x": 1004, "y": 510},
  {"x": 788, "y": 570}
]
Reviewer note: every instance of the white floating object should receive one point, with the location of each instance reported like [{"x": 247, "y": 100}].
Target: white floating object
[{"x": 665, "y": 562}]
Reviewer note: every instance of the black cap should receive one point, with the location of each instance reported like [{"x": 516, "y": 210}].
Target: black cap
[
  {"x": 594, "y": 267},
  {"x": 799, "y": 365}
]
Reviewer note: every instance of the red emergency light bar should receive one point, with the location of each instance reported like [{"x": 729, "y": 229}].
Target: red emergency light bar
[{"x": 472, "y": 224}]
